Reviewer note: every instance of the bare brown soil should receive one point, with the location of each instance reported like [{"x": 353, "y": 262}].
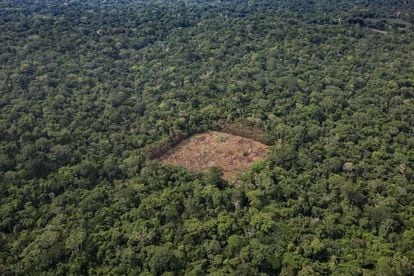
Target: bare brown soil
[{"x": 232, "y": 153}]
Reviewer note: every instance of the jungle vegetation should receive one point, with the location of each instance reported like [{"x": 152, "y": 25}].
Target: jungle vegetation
[{"x": 86, "y": 87}]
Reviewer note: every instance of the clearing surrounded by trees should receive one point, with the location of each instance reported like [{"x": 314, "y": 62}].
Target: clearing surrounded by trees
[{"x": 232, "y": 153}]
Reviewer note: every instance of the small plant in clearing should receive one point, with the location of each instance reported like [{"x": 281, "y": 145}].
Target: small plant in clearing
[{"x": 222, "y": 138}]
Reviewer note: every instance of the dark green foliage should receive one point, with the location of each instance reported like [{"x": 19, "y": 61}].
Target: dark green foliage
[{"x": 90, "y": 89}]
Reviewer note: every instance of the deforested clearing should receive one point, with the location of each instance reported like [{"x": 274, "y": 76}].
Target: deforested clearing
[{"x": 234, "y": 154}]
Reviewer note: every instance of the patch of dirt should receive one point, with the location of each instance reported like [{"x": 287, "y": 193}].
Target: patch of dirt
[{"x": 232, "y": 153}]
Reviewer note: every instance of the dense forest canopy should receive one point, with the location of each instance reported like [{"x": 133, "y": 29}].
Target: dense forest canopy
[{"x": 87, "y": 86}]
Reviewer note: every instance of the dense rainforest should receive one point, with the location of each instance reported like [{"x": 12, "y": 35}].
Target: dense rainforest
[{"x": 86, "y": 87}]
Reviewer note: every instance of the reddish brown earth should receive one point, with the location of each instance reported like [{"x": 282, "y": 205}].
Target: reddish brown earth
[{"x": 232, "y": 153}]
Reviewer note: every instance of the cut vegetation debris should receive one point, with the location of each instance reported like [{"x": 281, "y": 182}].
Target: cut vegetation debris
[{"x": 234, "y": 154}]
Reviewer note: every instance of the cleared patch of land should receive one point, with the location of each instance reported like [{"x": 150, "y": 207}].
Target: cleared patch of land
[{"x": 232, "y": 153}]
